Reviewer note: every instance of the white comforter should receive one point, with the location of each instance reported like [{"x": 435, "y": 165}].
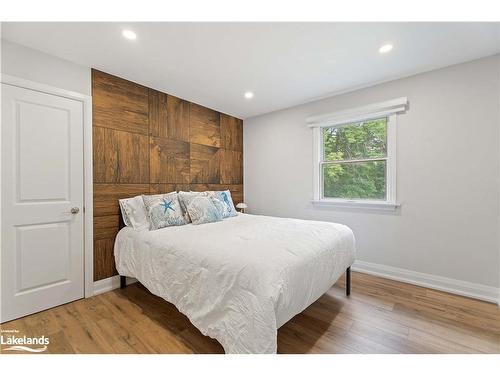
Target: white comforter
[{"x": 240, "y": 279}]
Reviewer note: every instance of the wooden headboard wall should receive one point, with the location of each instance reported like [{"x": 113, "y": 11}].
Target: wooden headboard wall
[{"x": 146, "y": 142}]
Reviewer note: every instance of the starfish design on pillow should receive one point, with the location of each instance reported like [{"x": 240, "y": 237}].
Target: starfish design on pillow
[{"x": 167, "y": 205}]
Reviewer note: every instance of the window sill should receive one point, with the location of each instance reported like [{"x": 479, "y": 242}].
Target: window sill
[{"x": 371, "y": 205}]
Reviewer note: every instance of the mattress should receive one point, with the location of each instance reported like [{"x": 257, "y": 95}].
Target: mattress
[{"x": 240, "y": 279}]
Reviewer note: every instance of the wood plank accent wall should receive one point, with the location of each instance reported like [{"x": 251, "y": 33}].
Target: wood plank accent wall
[{"x": 148, "y": 142}]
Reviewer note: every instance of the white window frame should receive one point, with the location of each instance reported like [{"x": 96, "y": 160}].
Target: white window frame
[{"x": 389, "y": 110}]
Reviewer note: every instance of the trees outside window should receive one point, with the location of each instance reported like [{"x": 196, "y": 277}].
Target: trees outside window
[{"x": 354, "y": 160}]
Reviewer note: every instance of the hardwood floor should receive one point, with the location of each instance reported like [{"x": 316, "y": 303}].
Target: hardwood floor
[{"x": 380, "y": 316}]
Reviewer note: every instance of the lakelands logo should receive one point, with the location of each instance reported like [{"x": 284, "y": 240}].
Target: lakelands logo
[{"x": 22, "y": 343}]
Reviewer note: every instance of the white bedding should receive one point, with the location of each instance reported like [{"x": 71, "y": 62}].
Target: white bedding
[{"x": 240, "y": 279}]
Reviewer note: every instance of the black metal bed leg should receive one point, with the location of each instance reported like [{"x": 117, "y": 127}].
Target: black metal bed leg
[
  {"x": 123, "y": 282},
  {"x": 348, "y": 281}
]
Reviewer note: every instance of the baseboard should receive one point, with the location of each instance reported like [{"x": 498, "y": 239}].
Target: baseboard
[
  {"x": 462, "y": 288},
  {"x": 106, "y": 285}
]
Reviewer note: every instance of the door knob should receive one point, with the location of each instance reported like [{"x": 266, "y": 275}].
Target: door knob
[{"x": 74, "y": 210}]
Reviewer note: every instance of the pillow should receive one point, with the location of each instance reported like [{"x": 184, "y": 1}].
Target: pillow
[
  {"x": 225, "y": 201},
  {"x": 201, "y": 210},
  {"x": 164, "y": 210},
  {"x": 221, "y": 207},
  {"x": 185, "y": 197},
  {"x": 134, "y": 213}
]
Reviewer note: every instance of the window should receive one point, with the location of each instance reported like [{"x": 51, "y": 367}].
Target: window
[
  {"x": 354, "y": 161},
  {"x": 355, "y": 157}
]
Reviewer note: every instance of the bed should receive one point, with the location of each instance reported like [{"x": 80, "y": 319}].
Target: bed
[{"x": 240, "y": 279}]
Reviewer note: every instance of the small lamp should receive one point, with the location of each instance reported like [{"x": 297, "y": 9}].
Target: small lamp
[{"x": 242, "y": 207}]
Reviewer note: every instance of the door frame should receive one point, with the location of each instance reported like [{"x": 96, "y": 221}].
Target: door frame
[{"x": 88, "y": 221}]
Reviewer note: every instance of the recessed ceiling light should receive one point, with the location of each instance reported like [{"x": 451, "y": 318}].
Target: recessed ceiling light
[
  {"x": 248, "y": 95},
  {"x": 385, "y": 48},
  {"x": 129, "y": 34}
]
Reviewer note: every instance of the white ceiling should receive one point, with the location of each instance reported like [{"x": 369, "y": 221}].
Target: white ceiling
[{"x": 284, "y": 64}]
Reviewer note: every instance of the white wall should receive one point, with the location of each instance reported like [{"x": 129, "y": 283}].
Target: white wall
[
  {"x": 33, "y": 65},
  {"x": 499, "y": 193},
  {"x": 448, "y": 173}
]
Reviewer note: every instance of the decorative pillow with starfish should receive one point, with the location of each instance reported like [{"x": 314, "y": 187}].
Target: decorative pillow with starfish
[{"x": 164, "y": 210}]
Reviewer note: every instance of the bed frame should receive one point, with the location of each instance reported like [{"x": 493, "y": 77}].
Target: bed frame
[{"x": 123, "y": 281}]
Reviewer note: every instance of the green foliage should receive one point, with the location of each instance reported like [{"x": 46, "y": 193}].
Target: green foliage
[{"x": 366, "y": 179}]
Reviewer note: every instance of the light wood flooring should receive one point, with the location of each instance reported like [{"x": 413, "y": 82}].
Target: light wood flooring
[{"x": 380, "y": 316}]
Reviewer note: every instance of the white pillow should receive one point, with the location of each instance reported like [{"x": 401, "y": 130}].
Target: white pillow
[{"x": 134, "y": 213}]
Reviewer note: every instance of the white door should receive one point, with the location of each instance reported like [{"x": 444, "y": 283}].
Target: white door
[{"x": 42, "y": 183}]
